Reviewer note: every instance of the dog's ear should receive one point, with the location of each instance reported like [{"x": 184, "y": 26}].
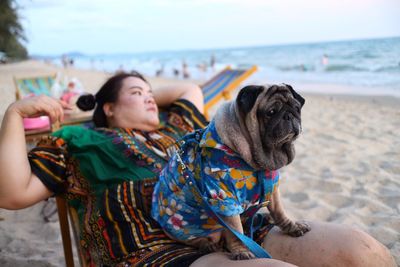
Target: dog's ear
[
  {"x": 296, "y": 95},
  {"x": 247, "y": 97}
]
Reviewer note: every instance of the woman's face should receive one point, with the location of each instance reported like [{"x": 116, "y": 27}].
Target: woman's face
[{"x": 135, "y": 107}]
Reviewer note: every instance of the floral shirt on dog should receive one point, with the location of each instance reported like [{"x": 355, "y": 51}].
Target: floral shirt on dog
[{"x": 224, "y": 179}]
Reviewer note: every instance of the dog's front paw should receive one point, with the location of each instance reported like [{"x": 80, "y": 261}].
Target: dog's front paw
[
  {"x": 297, "y": 229},
  {"x": 238, "y": 251},
  {"x": 208, "y": 247},
  {"x": 241, "y": 255}
]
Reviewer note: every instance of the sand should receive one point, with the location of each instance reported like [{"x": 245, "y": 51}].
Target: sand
[{"x": 347, "y": 169}]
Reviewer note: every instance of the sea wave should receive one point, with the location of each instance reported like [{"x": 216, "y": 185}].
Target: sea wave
[
  {"x": 359, "y": 63},
  {"x": 327, "y": 68},
  {"x": 393, "y": 68},
  {"x": 344, "y": 68},
  {"x": 299, "y": 67}
]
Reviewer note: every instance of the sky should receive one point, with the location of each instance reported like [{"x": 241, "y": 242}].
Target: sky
[{"x": 54, "y": 27}]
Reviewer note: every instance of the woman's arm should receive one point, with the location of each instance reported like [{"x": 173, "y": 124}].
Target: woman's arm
[
  {"x": 19, "y": 187},
  {"x": 167, "y": 95}
]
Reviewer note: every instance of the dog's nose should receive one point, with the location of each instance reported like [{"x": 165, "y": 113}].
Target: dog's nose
[
  {"x": 288, "y": 116},
  {"x": 297, "y": 129}
]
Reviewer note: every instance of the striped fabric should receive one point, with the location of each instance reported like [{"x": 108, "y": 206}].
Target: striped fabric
[
  {"x": 222, "y": 84},
  {"x": 35, "y": 86},
  {"x": 215, "y": 86},
  {"x": 107, "y": 176}
]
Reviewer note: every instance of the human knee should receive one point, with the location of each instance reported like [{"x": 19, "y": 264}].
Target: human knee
[
  {"x": 360, "y": 249},
  {"x": 222, "y": 259}
]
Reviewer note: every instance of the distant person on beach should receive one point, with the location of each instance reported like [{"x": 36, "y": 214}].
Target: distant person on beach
[
  {"x": 202, "y": 67},
  {"x": 175, "y": 72},
  {"x": 324, "y": 60},
  {"x": 160, "y": 71},
  {"x": 185, "y": 70},
  {"x": 108, "y": 174},
  {"x": 74, "y": 88},
  {"x": 120, "y": 69},
  {"x": 64, "y": 61},
  {"x": 212, "y": 62}
]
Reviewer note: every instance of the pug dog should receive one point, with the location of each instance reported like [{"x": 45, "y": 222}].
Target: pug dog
[{"x": 234, "y": 163}]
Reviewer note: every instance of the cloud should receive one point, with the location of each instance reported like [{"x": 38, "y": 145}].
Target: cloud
[
  {"x": 133, "y": 25},
  {"x": 33, "y": 4}
]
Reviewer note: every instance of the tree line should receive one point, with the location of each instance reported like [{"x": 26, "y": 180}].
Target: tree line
[{"x": 11, "y": 31}]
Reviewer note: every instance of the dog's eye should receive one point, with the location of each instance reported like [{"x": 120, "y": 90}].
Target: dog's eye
[{"x": 271, "y": 112}]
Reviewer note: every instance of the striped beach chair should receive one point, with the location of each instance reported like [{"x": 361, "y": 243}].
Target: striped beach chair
[
  {"x": 222, "y": 84},
  {"x": 35, "y": 128},
  {"x": 34, "y": 86}
]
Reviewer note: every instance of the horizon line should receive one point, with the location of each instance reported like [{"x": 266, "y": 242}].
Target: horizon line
[{"x": 215, "y": 48}]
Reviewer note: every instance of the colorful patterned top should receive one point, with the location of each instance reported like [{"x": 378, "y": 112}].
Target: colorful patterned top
[
  {"x": 225, "y": 180},
  {"x": 108, "y": 176}
]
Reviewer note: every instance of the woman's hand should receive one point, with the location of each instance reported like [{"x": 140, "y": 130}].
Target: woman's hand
[{"x": 39, "y": 106}]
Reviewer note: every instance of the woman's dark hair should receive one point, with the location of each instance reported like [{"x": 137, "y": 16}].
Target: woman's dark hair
[{"x": 108, "y": 93}]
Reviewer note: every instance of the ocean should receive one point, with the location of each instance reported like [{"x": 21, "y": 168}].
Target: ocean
[{"x": 366, "y": 66}]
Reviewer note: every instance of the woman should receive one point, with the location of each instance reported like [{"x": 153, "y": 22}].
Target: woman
[{"x": 108, "y": 175}]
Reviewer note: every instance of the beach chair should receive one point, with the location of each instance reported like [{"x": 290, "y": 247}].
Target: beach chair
[
  {"x": 35, "y": 128},
  {"x": 221, "y": 85},
  {"x": 26, "y": 87},
  {"x": 68, "y": 215},
  {"x": 34, "y": 134},
  {"x": 65, "y": 211},
  {"x": 40, "y": 85}
]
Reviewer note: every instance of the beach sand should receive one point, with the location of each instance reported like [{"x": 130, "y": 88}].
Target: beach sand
[{"x": 347, "y": 169}]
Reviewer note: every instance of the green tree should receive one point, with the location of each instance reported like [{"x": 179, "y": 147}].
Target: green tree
[{"x": 11, "y": 31}]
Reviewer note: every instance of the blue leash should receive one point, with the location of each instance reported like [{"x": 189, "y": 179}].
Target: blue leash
[{"x": 255, "y": 248}]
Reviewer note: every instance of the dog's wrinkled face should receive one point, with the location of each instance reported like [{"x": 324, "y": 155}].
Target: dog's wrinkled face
[{"x": 272, "y": 117}]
